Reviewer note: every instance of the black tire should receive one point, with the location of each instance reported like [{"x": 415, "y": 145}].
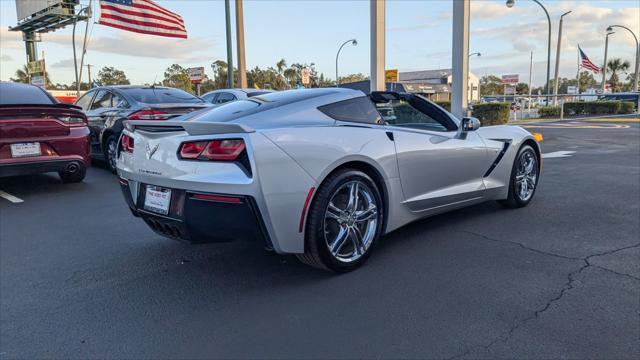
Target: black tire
[
  {"x": 110, "y": 151},
  {"x": 513, "y": 199},
  {"x": 75, "y": 176},
  {"x": 317, "y": 252}
]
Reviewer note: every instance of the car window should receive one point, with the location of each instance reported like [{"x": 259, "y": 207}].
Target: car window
[
  {"x": 404, "y": 114},
  {"x": 102, "y": 100},
  {"x": 161, "y": 96},
  {"x": 118, "y": 101},
  {"x": 224, "y": 97},
  {"x": 359, "y": 109},
  {"x": 209, "y": 97},
  {"x": 85, "y": 100},
  {"x": 11, "y": 94}
]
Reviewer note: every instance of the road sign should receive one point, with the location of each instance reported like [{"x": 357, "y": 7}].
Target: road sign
[
  {"x": 509, "y": 90},
  {"x": 196, "y": 74},
  {"x": 37, "y": 81},
  {"x": 572, "y": 90},
  {"x": 391, "y": 75},
  {"x": 306, "y": 76},
  {"x": 510, "y": 79},
  {"x": 35, "y": 67}
]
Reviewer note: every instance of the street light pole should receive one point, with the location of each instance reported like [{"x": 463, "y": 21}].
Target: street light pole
[
  {"x": 604, "y": 67},
  {"x": 635, "y": 78},
  {"x": 558, "y": 48},
  {"x": 510, "y": 4},
  {"x": 354, "y": 42},
  {"x": 470, "y": 100},
  {"x": 227, "y": 10}
]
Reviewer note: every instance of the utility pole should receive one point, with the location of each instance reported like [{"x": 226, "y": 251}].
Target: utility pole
[
  {"x": 530, "y": 71},
  {"x": 89, "y": 66},
  {"x": 227, "y": 10},
  {"x": 558, "y": 48},
  {"x": 242, "y": 65}
]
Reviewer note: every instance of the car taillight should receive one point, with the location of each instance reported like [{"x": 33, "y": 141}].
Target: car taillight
[
  {"x": 192, "y": 150},
  {"x": 126, "y": 143},
  {"x": 149, "y": 115},
  {"x": 216, "y": 150},
  {"x": 73, "y": 120}
]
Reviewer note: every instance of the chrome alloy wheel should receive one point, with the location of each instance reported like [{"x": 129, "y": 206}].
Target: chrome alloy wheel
[
  {"x": 526, "y": 175},
  {"x": 350, "y": 221}
]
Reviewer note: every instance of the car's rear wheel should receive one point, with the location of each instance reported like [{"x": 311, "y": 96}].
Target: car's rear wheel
[
  {"x": 73, "y": 173},
  {"x": 110, "y": 152},
  {"x": 525, "y": 175},
  {"x": 344, "y": 222}
]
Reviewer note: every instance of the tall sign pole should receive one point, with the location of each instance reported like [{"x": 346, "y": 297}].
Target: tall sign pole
[
  {"x": 377, "y": 45},
  {"x": 604, "y": 67},
  {"x": 460, "y": 47},
  {"x": 242, "y": 65},
  {"x": 227, "y": 10}
]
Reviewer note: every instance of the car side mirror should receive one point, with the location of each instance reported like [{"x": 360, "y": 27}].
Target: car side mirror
[{"x": 470, "y": 124}]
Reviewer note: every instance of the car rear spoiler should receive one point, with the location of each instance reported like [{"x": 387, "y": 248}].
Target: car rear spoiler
[
  {"x": 56, "y": 106},
  {"x": 191, "y": 127}
]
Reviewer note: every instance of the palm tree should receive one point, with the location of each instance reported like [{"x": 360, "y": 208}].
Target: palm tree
[
  {"x": 614, "y": 66},
  {"x": 22, "y": 75}
]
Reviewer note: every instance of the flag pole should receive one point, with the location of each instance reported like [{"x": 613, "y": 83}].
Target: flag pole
[{"x": 578, "y": 73}]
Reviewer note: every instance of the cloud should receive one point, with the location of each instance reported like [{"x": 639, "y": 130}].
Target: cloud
[
  {"x": 63, "y": 64},
  {"x": 6, "y": 58},
  {"x": 131, "y": 44},
  {"x": 10, "y": 39}
]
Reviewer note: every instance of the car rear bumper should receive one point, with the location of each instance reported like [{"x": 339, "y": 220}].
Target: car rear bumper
[
  {"x": 199, "y": 218},
  {"x": 38, "y": 165}
]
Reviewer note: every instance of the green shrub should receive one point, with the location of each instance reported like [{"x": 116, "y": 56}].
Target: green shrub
[
  {"x": 549, "y": 111},
  {"x": 602, "y": 107},
  {"x": 626, "y": 107},
  {"x": 574, "y": 108},
  {"x": 492, "y": 113},
  {"x": 445, "y": 104}
]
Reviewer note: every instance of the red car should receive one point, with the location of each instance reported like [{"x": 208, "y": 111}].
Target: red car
[{"x": 38, "y": 134}]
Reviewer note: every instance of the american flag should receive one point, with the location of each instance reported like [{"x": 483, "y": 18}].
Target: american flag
[
  {"x": 141, "y": 16},
  {"x": 586, "y": 63}
]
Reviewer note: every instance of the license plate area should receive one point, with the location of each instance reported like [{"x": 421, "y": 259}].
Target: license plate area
[
  {"x": 157, "y": 199},
  {"x": 25, "y": 150}
]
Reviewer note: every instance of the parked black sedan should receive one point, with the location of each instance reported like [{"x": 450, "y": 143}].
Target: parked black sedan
[{"x": 107, "y": 107}]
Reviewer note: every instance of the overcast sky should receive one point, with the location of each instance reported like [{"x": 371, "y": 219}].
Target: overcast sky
[{"x": 418, "y": 37}]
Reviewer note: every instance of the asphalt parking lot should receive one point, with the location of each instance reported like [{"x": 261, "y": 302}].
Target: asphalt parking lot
[{"x": 80, "y": 277}]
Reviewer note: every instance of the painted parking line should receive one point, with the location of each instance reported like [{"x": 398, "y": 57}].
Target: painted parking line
[
  {"x": 13, "y": 199},
  {"x": 558, "y": 154},
  {"x": 576, "y": 126}
]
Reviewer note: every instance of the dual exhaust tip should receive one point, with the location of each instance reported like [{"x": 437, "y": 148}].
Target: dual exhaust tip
[{"x": 72, "y": 168}]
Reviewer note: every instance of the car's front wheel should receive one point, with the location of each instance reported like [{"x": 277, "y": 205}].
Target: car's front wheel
[
  {"x": 525, "y": 176},
  {"x": 344, "y": 222}
]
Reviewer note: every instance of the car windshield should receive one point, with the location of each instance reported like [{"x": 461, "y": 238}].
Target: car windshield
[
  {"x": 12, "y": 94},
  {"x": 162, "y": 96}
]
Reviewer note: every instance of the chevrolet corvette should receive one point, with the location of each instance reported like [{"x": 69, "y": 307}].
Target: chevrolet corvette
[{"x": 320, "y": 173}]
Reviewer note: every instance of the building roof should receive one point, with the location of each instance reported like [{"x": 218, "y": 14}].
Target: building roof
[{"x": 424, "y": 74}]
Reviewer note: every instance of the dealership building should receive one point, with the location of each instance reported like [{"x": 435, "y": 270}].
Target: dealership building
[{"x": 436, "y": 84}]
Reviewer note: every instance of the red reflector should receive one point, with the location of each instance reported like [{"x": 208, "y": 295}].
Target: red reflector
[
  {"x": 304, "y": 208},
  {"x": 224, "y": 150},
  {"x": 126, "y": 143},
  {"x": 217, "y": 198},
  {"x": 192, "y": 150}
]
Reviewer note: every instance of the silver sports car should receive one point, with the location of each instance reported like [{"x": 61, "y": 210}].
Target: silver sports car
[{"x": 320, "y": 173}]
